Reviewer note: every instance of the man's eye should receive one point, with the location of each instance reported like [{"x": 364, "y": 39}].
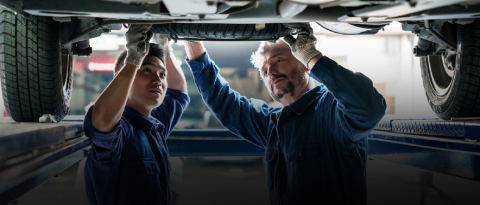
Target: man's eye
[
  {"x": 278, "y": 61},
  {"x": 146, "y": 69},
  {"x": 163, "y": 74}
]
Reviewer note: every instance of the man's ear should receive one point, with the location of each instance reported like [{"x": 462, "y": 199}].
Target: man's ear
[{"x": 305, "y": 68}]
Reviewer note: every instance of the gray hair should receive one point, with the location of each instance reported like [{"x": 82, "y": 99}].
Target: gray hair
[{"x": 257, "y": 57}]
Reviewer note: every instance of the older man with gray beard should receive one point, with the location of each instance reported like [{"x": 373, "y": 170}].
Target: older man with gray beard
[{"x": 316, "y": 144}]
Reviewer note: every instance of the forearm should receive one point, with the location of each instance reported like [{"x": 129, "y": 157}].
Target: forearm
[
  {"x": 175, "y": 77},
  {"x": 194, "y": 50},
  {"x": 108, "y": 108},
  {"x": 234, "y": 111}
]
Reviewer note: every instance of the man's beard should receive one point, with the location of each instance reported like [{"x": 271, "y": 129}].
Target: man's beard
[
  {"x": 298, "y": 79},
  {"x": 290, "y": 89}
]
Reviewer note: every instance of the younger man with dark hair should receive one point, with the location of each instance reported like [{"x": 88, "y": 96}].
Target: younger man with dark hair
[{"x": 130, "y": 122}]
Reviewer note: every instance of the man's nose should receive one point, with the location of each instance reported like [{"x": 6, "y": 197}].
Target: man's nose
[
  {"x": 157, "y": 79},
  {"x": 271, "y": 72}
]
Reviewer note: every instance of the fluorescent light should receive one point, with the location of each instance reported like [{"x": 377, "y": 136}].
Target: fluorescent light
[
  {"x": 106, "y": 42},
  {"x": 121, "y": 41},
  {"x": 94, "y": 66}
]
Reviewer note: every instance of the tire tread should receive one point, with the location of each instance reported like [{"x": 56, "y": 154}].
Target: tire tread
[
  {"x": 222, "y": 31},
  {"x": 30, "y": 64}
]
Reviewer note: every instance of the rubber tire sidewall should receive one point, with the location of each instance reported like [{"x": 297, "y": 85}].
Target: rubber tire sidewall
[{"x": 443, "y": 105}]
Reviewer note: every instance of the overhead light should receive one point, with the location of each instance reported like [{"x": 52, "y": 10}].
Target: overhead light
[
  {"x": 121, "y": 41},
  {"x": 95, "y": 66},
  {"x": 106, "y": 42}
]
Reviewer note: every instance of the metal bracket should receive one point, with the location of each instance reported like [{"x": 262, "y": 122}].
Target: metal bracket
[
  {"x": 75, "y": 50},
  {"x": 429, "y": 33},
  {"x": 171, "y": 36},
  {"x": 418, "y": 52}
]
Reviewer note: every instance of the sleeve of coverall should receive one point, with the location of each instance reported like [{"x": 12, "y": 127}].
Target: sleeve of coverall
[
  {"x": 107, "y": 146},
  {"x": 172, "y": 108},
  {"x": 358, "y": 107},
  {"x": 245, "y": 117}
]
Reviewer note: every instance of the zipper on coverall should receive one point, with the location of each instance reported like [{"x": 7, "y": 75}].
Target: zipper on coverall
[
  {"x": 169, "y": 185},
  {"x": 279, "y": 151}
]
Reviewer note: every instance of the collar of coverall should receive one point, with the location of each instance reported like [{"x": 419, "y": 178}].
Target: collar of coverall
[
  {"x": 141, "y": 121},
  {"x": 307, "y": 98}
]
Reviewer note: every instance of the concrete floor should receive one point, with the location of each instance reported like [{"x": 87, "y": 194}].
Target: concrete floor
[{"x": 246, "y": 184}]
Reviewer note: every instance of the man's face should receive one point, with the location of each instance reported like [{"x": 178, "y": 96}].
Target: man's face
[
  {"x": 282, "y": 73},
  {"x": 150, "y": 83}
]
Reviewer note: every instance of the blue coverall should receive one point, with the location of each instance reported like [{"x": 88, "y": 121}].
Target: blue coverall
[
  {"x": 316, "y": 147},
  {"x": 130, "y": 165}
]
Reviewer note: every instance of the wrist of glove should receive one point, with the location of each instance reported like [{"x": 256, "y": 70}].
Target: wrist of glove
[
  {"x": 135, "y": 58},
  {"x": 305, "y": 51},
  {"x": 138, "y": 43},
  {"x": 164, "y": 43}
]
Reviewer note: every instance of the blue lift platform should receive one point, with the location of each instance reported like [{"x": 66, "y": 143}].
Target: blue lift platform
[{"x": 32, "y": 153}]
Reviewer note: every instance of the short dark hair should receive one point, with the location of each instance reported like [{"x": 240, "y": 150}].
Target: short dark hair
[{"x": 155, "y": 50}]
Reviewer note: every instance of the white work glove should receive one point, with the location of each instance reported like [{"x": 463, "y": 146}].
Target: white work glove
[
  {"x": 164, "y": 43},
  {"x": 303, "y": 48},
  {"x": 138, "y": 43}
]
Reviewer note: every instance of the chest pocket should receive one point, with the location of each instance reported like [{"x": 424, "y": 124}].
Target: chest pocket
[
  {"x": 303, "y": 153},
  {"x": 144, "y": 166}
]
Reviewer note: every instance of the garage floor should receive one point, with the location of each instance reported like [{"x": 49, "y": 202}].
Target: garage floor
[{"x": 237, "y": 184}]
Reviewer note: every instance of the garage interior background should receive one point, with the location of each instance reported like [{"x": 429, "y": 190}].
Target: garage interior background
[{"x": 386, "y": 58}]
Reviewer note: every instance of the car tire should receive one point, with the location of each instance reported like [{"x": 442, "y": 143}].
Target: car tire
[
  {"x": 222, "y": 31},
  {"x": 36, "y": 77},
  {"x": 454, "y": 91}
]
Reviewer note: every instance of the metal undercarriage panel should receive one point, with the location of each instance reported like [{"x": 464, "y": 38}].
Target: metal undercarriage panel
[{"x": 265, "y": 11}]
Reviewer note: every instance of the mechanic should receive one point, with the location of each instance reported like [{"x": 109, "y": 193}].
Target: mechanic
[
  {"x": 130, "y": 122},
  {"x": 316, "y": 144}
]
